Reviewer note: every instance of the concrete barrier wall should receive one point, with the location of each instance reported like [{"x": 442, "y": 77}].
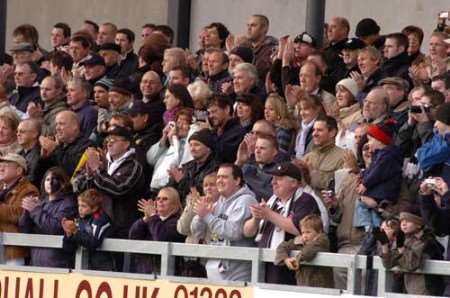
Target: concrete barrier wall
[
  {"x": 288, "y": 16},
  {"x": 44, "y": 13}
]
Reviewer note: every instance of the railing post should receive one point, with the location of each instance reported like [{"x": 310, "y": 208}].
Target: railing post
[
  {"x": 258, "y": 267},
  {"x": 81, "y": 259},
  {"x": 352, "y": 272},
  {"x": 2, "y": 250},
  {"x": 167, "y": 261}
]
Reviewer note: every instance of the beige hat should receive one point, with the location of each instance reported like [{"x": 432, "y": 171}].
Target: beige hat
[
  {"x": 402, "y": 83},
  {"x": 13, "y": 157},
  {"x": 350, "y": 85}
]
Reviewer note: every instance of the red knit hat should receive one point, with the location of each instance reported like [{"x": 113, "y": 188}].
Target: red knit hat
[{"x": 383, "y": 131}]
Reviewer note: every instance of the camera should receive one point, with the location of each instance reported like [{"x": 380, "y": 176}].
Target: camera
[
  {"x": 172, "y": 124},
  {"x": 430, "y": 182},
  {"x": 418, "y": 109},
  {"x": 444, "y": 15}
]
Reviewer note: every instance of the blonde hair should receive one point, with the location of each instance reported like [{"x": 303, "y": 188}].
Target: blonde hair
[
  {"x": 312, "y": 221},
  {"x": 173, "y": 196},
  {"x": 279, "y": 105},
  {"x": 373, "y": 53},
  {"x": 200, "y": 92}
]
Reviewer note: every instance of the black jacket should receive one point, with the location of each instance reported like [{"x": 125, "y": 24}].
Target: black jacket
[
  {"x": 396, "y": 67},
  {"x": 22, "y": 96},
  {"x": 228, "y": 142}
]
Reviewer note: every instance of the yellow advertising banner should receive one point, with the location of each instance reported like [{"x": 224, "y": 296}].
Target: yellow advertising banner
[{"x": 14, "y": 284}]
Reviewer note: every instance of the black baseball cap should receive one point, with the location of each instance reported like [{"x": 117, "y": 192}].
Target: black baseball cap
[{"x": 287, "y": 169}]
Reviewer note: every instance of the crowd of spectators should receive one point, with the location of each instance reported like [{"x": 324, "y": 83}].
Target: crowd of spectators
[{"x": 290, "y": 143}]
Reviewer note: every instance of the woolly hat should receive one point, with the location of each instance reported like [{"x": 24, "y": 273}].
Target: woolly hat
[
  {"x": 121, "y": 86},
  {"x": 443, "y": 113},
  {"x": 383, "y": 131},
  {"x": 412, "y": 214},
  {"x": 205, "y": 137},
  {"x": 350, "y": 85},
  {"x": 246, "y": 54},
  {"x": 367, "y": 27},
  {"x": 104, "y": 83}
]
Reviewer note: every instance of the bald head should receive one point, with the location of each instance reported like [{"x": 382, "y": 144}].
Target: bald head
[
  {"x": 376, "y": 104},
  {"x": 67, "y": 126},
  {"x": 150, "y": 84},
  {"x": 338, "y": 29}
]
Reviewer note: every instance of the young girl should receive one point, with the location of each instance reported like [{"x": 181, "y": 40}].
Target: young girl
[
  {"x": 311, "y": 241},
  {"x": 89, "y": 229}
]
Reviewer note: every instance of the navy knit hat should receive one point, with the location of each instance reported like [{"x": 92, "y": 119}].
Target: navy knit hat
[
  {"x": 246, "y": 54},
  {"x": 104, "y": 82},
  {"x": 367, "y": 27},
  {"x": 205, "y": 137},
  {"x": 383, "y": 131}
]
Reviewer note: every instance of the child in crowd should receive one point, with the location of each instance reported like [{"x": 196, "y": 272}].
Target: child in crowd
[
  {"x": 89, "y": 230},
  {"x": 417, "y": 245},
  {"x": 311, "y": 241},
  {"x": 381, "y": 180}
]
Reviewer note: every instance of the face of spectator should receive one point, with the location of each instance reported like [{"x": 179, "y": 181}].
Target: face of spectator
[
  {"x": 302, "y": 50},
  {"x": 343, "y": 97},
  {"x": 255, "y": 29},
  {"x": 307, "y": 112},
  {"x": 176, "y": 77},
  {"x": 101, "y": 97},
  {"x": 308, "y": 78},
  {"x": 169, "y": 62},
  {"x": 212, "y": 39},
  {"x": 123, "y": 42},
  {"x": 75, "y": 94},
  {"x": 392, "y": 48},
  {"x": 165, "y": 203},
  {"x": 26, "y": 134},
  {"x": 233, "y": 61},
  {"x": 183, "y": 124},
  {"x": 367, "y": 64},
  {"x": 204, "y": 65},
  {"x": 145, "y": 34},
  {"x": 22, "y": 56},
  {"x": 210, "y": 187},
  {"x": 413, "y": 44},
  {"x": 243, "y": 111},
  {"x": 374, "y": 144},
  {"x": 226, "y": 183},
  {"x": 350, "y": 57},
  {"x": 66, "y": 128},
  {"x": 416, "y": 95},
  {"x": 57, "y": 38},
  {"x": 270, "y": 113},
  {"x": 9, "y": 172},
  {"x": 442, "y": 128},
  {"x": 215, "y": 63},
  {"x": 19, "y": 38},
  {"x": 359, "y": 133},
  {"x": 117, "y": 100},
  {"x": 140, "y": 121},
  {"x": 321, "y": 134},
  {"x": 265, "y": 152},
  {"x": 48, "y": 91},
  {"x": 89, "y": 28},
  {"x": 390, "y": 233},
  {"x": 111, "y": 57},
  {"x": 150, "y": 84},
  {"x": 437, "y": 47},
  {"x": 93, "y": 71},
  {"x": 77, "y": 51},
  {"x": 283, "y": 186},
  {"x": 23, "y": 76},
  {"x": 106, "y": 34},
  {"x": 366, "y": 154},
  {"x": 171, "y": 101},
  {"x": 439, "y": 85},
  {"x": 217, "y": 116},
  {"x": 374, "y": 105},
  {"x": 409, "y": 227},
  {"x": 116, "y": 146},
  {"x": 336, "y": 31},
  {"x": 7, "y": 134},
  {"x": 395, "y": 94},
  {"x": 309, "y": 235},
  {"x": 84, "y": 209},
  {"x": 198, "y": 150},
  {"x": 242, "y": 82}
]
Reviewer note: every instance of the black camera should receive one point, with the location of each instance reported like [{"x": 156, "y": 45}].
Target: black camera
[{"x": 418, "y": 109}]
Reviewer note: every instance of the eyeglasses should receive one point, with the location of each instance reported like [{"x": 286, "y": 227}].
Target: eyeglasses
[
  {"x": 113, "y": 140},
  {"x": 162, "y": 199}
]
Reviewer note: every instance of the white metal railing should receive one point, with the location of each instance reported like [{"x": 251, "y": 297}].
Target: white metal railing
[{"x": 167, "y": 251}]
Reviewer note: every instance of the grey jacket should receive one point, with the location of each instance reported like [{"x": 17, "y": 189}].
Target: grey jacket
[{"x": 225, "y": 224}]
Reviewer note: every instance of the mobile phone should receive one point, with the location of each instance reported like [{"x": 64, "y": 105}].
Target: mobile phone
[
  {"x": 172, "y": 124},
  {"x": 443, "y": 15}
]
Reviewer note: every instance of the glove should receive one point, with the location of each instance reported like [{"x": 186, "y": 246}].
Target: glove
[
  {"x": 380, "y": 236},
  {"x": 400, "y": 239}
]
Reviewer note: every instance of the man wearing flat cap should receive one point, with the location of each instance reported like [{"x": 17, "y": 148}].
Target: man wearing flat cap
[
  {"x": 120, "y": 97},
  {"x": 14, "y": 186},
  {"x": 277, "y": 220},
  {"x": 94, "y": 69},
  {"x": 110, "y": 52},
  {"x": 397, "y": 91}
]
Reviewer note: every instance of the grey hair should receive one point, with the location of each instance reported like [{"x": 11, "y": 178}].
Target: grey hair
[{"x": 249, "y": 69}]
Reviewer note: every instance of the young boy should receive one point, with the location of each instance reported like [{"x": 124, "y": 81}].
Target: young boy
[
  {"x": 311, "y": 241},
  {"x": 382, "y": 178},
  {"x": 419, "y": 244},
  {"x": 89, "y": 230}
]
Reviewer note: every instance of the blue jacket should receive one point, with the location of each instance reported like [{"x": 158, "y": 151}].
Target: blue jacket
[
  {"x": 46, "y": 219},
  {"x": 383, "y": 178},
  {"x": 434, "y": 152}
]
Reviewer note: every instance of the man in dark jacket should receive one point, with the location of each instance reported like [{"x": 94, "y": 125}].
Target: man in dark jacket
[
  {"x": 28, "y": 133},
  {"x": 397, "y": 60},
  {"x": 27, "y": 89},
  {"x": 218, "y": 70},
  {"x": 78, "y": 92},
  {"x": 151, "y": 87},
  {"x": 228, "y": 132},
  {"x": 338, "y": 30},
  {"x": 129, "y": 60}
]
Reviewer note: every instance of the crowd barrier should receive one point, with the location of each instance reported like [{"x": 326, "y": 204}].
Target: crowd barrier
[{"x": 198, "y": 287}]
